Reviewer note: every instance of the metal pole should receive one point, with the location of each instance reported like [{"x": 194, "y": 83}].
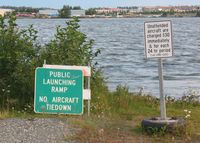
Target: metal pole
[
  {"x": 162, "y": 97},
  {"x": 88, "y": 86}
]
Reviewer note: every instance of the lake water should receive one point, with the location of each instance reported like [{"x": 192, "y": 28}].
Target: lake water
[{"x": 122, "y": 56}]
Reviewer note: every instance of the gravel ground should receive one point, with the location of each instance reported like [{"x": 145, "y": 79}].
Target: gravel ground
[{"x": 37, "y": 130}]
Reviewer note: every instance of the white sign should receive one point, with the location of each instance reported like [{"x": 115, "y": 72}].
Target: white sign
[
  {"x": 87, "y": 94},
  {"x": 158, "y": 39}
]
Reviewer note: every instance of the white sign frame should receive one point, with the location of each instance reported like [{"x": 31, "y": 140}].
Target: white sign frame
[
  {"x": 158, "y": 39},
  {"x": 86, "y": 69}
]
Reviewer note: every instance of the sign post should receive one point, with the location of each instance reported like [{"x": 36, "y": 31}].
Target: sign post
[
  {"x": 158, "y": 44},
  {"x": 162, "y": 96},
  {"x": 58, "y": 91},
  {"x": 88, "y": 87}
]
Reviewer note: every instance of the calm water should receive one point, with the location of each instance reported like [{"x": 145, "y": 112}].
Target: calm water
[{"x": 122, "y": 52}]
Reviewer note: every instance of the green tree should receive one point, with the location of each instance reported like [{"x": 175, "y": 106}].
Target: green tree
[
  {"x": 171, "y": 12},
  {"x": 18, "y": 58},
  {"x": 164, "y": 14},
  {"x": 198, "y": 14},
  {"x": 20, "y": 55},
  {"x": 22, "y": 9},
  {"x": 70, "y": 46},
  {"x": 91, "y": 11},
  {"x": 65, "y": 12},
  {"x": 76, "y": 8}
]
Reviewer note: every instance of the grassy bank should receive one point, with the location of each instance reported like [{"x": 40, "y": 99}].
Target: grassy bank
[
  {"x": 122, "y": 122},
  {"x": 116, "y": 118}
]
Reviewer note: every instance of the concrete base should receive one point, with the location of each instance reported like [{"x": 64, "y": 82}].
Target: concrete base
[{"x": 155, "y": 124}]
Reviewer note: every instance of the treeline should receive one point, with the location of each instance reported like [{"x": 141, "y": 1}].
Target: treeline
[
  {"x": 35, "y": 10},
  {"x": 23, "y": 9},
  {"x": 172, "y": 13},
  {"x": 20, "y": 54},
  {"x": 65, "y": 12}
]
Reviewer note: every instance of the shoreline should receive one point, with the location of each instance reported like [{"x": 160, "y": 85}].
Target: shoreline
[{"x": 112, "y": 17}]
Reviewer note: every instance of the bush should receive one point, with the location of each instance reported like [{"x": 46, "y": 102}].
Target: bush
[
  {"x": 18, "y": 58},
  {"x": 69, "y": 47},
  {"x": 20, "y": 55}
]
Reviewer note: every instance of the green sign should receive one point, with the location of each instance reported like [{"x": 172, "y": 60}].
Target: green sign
[{"x": 58, "y": 91}]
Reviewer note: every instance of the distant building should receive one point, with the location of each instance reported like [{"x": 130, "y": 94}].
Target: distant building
[
  {"x": 77, "y": 13},
  {"x": 185, "y": 8},
  {"x": 169, "y": 8},
  {"x": 31, "y": 15},
  {"x": 108, "y": 10},
  {"x": 48, "y": 13},
  {"x": 136, "y": 10},
  {"x": 157, "y": 8},
  {"x": 4, "y": 11}
]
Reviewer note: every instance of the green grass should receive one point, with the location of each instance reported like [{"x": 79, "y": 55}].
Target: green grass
[
  {"x": 106, "y": 130},
  {"x": 4, "y": 114},
  {"x": 116, "y": 118}
]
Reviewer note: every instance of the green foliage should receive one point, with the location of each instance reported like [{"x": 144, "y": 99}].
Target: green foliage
[
  {"x": 76, "y": 8},
  {"x": 171, "y": 12},
  {"x": 164, "y": 14},
  {"x": 91, "y": 11},
  {"x": 100, "y": 95},
  {"x": 69, "y": 47},
  {"x": 65, "y": 11},
  {"x": 123, "y": 104},
  {"x": 22, "y": 9},
  {"x": 198, "y": 13},
  {"x": 121, "y": 97},
  {"x": 190, "y": 99},
  {"x": 156, "y": 131},
  {"x": 18, "y": 57}
]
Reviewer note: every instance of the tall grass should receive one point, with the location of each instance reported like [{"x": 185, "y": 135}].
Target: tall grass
[{"x": 116, "y": 117}]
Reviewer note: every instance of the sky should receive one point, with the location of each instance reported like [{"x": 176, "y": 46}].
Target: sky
[{"x": 85, "y": 4}]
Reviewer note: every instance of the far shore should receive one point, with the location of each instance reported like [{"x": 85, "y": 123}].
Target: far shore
[{"x": 107, "y": 17}]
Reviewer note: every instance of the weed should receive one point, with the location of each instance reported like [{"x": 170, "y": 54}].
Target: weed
[{"x": 4, "y": 114}]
